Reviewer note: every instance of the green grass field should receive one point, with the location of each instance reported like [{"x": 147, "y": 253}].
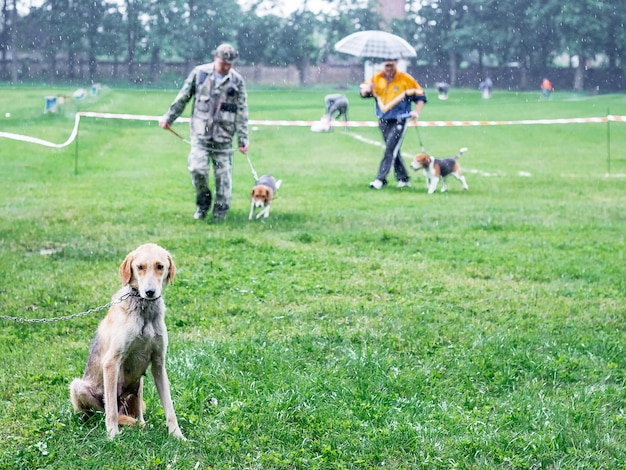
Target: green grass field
[{"x": 353, "y": 328}]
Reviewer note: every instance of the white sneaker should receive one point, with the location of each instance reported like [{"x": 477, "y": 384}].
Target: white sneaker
[
  {"x": 376, "y": 184},
  {"x": 200, "y": 214},
  {"x": 404, "y": 184}
]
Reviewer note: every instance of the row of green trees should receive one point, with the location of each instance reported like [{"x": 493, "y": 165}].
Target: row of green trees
[{"x": 529, "y": 33}]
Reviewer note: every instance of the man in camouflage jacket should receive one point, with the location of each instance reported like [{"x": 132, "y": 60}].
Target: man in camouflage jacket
[{"x": 220, "y": 110}]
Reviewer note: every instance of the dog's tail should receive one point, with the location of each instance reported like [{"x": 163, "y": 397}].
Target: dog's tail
[
  {"x": 278, "y": 183},
  {"x": 461, "y": 151}
]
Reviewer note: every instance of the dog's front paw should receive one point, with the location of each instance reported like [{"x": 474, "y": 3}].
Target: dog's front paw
[
  {"x": 177, "y": 433},
  {"x": 112, "y": 432}
]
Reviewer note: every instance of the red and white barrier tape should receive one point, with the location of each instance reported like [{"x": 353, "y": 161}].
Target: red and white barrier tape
[
  {"x": 35, "y": 140},
  {"x": 256, "y": 122}
]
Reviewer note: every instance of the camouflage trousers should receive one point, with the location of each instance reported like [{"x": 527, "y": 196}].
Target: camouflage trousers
[{"x": 201, "y": 156}]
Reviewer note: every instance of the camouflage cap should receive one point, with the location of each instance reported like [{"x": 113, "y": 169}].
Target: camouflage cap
[{"x": 226, "y": 52}]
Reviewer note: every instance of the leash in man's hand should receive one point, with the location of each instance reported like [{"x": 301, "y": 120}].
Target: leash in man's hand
[
  {"x": 417, "y": 129},
  {"x": 419, "y": 137},
  {"x": 169, "y": 128},
  {"x": 256, "y": 177}
]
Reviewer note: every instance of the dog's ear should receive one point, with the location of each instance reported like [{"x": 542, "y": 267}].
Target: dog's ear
[
  {"x": 172, "y": 271},
  {"x": 126, "y": 270}
]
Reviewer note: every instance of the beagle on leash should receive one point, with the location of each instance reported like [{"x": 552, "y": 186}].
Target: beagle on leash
[
  {"x": 436, "y": 169},
  {"x": 262, "y": 195}
]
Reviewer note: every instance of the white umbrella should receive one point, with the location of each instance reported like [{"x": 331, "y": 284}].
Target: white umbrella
[{"x": 375, "y": 44}]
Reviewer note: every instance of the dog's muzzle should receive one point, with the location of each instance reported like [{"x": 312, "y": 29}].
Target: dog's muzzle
[{"x": 149, "y": 294}]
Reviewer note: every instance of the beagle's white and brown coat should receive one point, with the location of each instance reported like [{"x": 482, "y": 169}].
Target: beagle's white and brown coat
[
  {"x": 262, "y": 195},
  {"x": 436, "y": 169}
]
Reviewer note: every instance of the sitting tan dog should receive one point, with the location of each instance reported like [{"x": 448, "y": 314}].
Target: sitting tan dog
[
  {"x": 262, "y": 195},
  {"x": 436, "y": 169},
  {"x": 130, "y": 337}
]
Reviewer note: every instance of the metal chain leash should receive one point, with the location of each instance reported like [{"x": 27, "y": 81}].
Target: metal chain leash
[{"x": 67, "y": 317}]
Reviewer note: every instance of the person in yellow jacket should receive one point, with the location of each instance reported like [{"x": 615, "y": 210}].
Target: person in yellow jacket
[{"x": 394, "y": 92}]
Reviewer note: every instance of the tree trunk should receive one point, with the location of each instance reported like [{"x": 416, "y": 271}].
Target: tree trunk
[
  {"x": 52, "y": 68},
  {"x": 579, "y": 76},
  {"x": 131, "y": 39},
  {"x": 13, "y": 41},
  {"x": 304, "y": 68},
  {"x": 93, "y": 66},
  {"x": 92, "y": 59},
  {"x": 130, "y": 57},
  {"x": 4, "y": 38},
  {"x": 155, "y": 65},
  {"x": 523, "y": 81},
  {"x": 71, "y": 64},
  {"x": 453, "y": 68},
  {"x": 481, "y": 65}
]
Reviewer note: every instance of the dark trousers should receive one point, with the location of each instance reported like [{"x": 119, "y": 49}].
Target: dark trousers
[{"x": 393, "y": 133}]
